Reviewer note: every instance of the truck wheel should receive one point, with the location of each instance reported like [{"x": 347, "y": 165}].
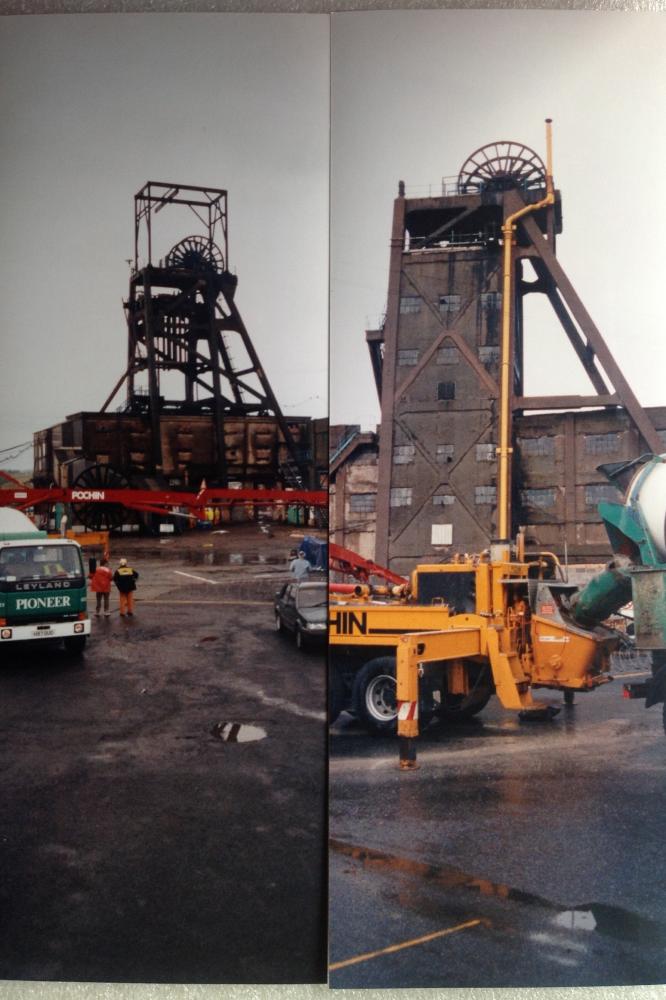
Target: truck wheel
[
  {"x": 337, "y": 694},
  {"x": 458, "y": 707},
  {"x": 75, "y": 644},
  {"x": 374, "y": 700}
]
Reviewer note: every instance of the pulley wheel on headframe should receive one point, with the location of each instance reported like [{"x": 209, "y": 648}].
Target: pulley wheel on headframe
[
  {"x": 500, "y": 166},
  {"x": 102, "y": 516},
  {"x": 196, "y": 253}
]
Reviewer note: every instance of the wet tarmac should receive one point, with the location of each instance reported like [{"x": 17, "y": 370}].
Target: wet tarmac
[
  {"x": 163, "y": 798},
  {"x": 516, "y": 855}
]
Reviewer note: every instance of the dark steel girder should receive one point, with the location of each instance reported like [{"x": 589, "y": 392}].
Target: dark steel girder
[
  {"x": 375, "y": 341},
  {"x": 580, "y": 314},
  {"x": 584, "y": 351}
]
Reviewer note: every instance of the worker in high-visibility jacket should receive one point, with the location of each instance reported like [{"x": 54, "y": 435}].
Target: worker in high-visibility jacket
[{"x": 125, "y": 580}]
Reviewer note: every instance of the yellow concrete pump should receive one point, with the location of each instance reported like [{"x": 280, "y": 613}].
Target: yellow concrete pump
[{"x": 456, "y": 634}]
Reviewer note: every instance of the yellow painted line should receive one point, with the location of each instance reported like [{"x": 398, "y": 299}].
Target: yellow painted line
[
  {"x": 404, "y": 944},
  {"x": 249, "y": 604}
]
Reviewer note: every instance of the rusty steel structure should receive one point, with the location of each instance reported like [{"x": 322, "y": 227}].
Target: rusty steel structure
[
  {"x": 437, "y": 359},
  {"x": 198, "y": 404}
]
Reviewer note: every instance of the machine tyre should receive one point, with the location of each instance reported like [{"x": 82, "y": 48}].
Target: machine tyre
[
  {"x": 279, "y": 627},
  {"x": 301, "y": 641},
  {"x": 569, "y": 697},
  {"x": 374, "y": 701},
  {"x": 458, "y": 708},
  {"x": 337, "y": 693},
  {"x": 75, "y": 644}
]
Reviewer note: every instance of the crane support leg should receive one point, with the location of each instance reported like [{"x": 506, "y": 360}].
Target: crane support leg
[{"x": 407, "y": 694}]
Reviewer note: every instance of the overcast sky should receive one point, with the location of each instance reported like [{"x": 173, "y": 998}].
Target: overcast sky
[
  {"x": 414, "y": 93},
  {"x": 93, "y": 106}
]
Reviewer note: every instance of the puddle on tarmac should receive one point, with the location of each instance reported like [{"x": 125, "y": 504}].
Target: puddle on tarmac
[
  {"x": 613, "y": 921},
  {"x": 237, "y": 732},
  {"x": 602, "y": 918}
]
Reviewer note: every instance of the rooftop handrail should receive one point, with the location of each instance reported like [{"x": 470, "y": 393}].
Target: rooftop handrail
[
  {"x": 449, "y": 187},
  {"x": 344, "y": 444}
]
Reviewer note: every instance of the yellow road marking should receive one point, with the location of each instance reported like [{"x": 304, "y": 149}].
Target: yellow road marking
[
  {"x": 404, "y": 944},
  {"x": 261, "y": 604}
]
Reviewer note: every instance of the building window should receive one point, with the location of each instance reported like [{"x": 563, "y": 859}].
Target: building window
[
  {"x": 408, "y": 357},
  {"x": 486, "y": 452},
  {"x": 449, "y": 303},
  {"x": 401, "y": 496},
  {"x": 597, "y": 493},
  {"x": 403, "y": 454},
  {"x": 363, "y": 503},
  {"x": 444, "y": 453},
  {"x": 410, "y": 304},
  {"x": 538, "y": 498},
  {"x": 541, "y": 446},
  {"x": 489, "y": 355},
  {"x": 491, "y": 300},
  {"x": 602, "y": 444},
  {"x": 441, "y": 534},
  {"x": 485, "y": 494},
  {"x": 446, "y": 390},
  {"x": 448, "y": 356},
  {"x": 443, "y": 499}
]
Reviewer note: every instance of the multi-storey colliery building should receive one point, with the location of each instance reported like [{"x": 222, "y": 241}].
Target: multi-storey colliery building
[{"x": 437, "y": 362}]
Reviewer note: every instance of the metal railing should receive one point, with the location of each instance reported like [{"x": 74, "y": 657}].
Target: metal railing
[
  {"x": 451, "y": 186},
  {"x": 341, "y": 447},
  {"x": 455, "y": 239}
]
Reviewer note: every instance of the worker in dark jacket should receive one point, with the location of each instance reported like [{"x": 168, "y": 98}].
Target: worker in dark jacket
[{"x": 125, "y": 580}]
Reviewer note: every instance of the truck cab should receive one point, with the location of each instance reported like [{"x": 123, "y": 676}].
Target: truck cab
[{"x": 43, "y": 587}]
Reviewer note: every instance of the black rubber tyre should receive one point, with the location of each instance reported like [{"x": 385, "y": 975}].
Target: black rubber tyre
[
  {"x": 569, "y": 697},
  {"x": 301, "y": 641},
  {"x": 279, "y": 627},
  {"x": 75, "y": 644},
  {"x": 374, "y": 702},
  {"x": 458, "y": 707},
  {"x": 337, "y": 693},
  {"x": 663, "y": 715}
]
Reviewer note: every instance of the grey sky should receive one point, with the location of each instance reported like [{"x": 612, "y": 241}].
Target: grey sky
[
  {"x": 414, "y": 93},
  {"x": 91, "y": 107}
]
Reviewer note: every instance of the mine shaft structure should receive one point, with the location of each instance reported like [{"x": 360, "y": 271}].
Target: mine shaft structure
[
  {"x": 182, "y": 319},
  {"x": 453, "y": 338}
]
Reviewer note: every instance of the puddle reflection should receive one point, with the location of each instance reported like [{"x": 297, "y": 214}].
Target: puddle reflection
[{"x": 237, "y": 732}]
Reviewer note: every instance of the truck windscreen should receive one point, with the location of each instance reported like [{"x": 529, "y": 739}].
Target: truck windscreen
[{"x": 40, "y": 562}]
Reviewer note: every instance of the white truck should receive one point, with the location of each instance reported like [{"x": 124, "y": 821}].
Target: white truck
[{"x": 43, "y": 586}]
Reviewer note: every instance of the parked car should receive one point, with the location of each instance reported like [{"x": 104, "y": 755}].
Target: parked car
[{"x": 302, "y": 608}]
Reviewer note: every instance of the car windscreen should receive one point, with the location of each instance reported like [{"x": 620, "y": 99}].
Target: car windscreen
[
  {"x": 40, "y": 562},
  {"x": 312, "y": 597}
]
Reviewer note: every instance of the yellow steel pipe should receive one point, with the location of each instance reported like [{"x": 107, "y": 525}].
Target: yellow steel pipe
[{"x": 504, "y": 449}]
